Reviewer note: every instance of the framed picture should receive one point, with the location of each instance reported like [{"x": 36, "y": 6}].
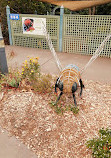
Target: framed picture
[{"x": 33, "y": 26}]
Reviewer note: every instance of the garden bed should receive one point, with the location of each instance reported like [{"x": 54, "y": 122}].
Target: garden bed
[{"x": 29, "y": 117}]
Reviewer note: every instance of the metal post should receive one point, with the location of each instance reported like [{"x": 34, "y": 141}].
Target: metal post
[
  {"x": 90, "y": 11},
  {"x": 61, "y": 28},
  {"x": 9, "y": 25},
  {"x": 3, "y": 61},
  {"x": 36, "y": 12}
]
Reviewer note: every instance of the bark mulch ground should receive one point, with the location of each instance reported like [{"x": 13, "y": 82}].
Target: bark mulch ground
[{"x": 29, "y": 117}]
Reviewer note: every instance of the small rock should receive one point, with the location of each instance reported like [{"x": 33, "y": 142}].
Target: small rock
[
  {"x": 61, "y": 136},
  {"x": 54, "y": 126},
  {"x": 47, "y": 118},
  {"x": 1, "y": 95},
  {"x": 48, "y": 129}
]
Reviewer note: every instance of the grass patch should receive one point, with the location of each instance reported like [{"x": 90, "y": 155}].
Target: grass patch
[{"x": 60, "y": 108}]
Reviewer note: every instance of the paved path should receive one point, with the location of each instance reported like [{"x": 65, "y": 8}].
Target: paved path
[
  {"x": 10, "y": 147},
  {"x": 100, "y": 70}
]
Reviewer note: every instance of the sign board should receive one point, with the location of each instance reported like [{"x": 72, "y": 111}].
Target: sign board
[
  {"x": 14, "y": 16},
  {"x": 33, "y": 26}
]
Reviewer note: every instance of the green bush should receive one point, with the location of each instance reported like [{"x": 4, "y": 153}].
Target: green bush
[
  {"x": 37, "y": 81},
  {"x": 101, "y": 147},
  {"x": 30, "y": 69},
  {"x": 12, "y": 79},
  {"x": 13, "y": 83}
]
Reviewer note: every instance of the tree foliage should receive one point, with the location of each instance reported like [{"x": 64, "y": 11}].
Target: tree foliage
[
  {"x": 104, "y": 9},
  {"x": 100, "y": 10},
  {"x": 33, "y": 6},
  {"x": 22, "y": 7}
]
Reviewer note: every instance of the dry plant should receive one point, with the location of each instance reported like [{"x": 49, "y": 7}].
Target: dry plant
[{"x": 11, "y": 54}]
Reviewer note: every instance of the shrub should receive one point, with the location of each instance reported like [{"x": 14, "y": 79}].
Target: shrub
[
  {"x": 101, "y": 147},
  {"x": 12, "y": 79},
  {"x": 30, "y": 69},
  {"x": 43, "y": 84},
  {"x": 29, "y": 78},
  {"x": 13, "y": 83}
]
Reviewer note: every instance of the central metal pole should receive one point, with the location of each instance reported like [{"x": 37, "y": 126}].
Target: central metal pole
[{"x": 61, "y": 28}]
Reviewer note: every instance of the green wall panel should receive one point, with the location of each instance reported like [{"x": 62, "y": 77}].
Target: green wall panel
[
  {"x": 36, "y": 41},
  {"x": 84, "y": 33}
]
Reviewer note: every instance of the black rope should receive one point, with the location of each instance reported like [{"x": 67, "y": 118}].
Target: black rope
[{"x": 46, "y": 61}]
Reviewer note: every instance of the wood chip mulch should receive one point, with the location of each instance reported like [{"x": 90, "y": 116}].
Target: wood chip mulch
[{"x": 29, "y": 117}]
